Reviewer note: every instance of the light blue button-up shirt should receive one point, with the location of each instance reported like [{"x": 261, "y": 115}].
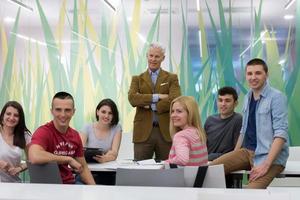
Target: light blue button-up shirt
[
  {"x": 271, "y": 122},
  {"x": 155, "y": 97}
]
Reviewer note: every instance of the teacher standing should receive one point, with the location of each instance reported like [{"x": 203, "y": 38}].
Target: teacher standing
[{"x": 151, "y": 93}]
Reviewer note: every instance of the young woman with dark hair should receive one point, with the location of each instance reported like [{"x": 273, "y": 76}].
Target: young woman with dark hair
[
  {"x": 105, "y": 133},
  {"x": 14, "y": 139}
]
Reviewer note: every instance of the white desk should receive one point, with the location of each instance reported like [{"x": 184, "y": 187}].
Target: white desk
[
  {"x": 19, "y": 191},
  {"x": 113, "y": 165},
  {"x": 294, "y": 192}
]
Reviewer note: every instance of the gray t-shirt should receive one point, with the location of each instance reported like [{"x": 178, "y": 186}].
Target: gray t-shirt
[
  {"x": 94, "y": 142},
  {"x": 222, "y": 134},
  {"x": 12, "y": 155}
]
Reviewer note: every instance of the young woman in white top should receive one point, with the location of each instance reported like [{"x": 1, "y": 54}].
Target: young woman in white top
[
  {"x": 14, "y": 139},
  {"x": 105, "y": 133}
]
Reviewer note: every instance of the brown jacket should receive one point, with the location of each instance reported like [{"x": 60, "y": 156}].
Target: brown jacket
[{"x": 140, "y": 95}]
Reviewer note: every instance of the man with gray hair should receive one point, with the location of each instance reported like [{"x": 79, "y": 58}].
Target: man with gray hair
[{"x": 151, "y": 93}]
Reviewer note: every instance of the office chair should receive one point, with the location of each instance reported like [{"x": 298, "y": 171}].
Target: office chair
[
  {"x": 44, "y": 173},
  {"x": 212, "y": 177}
]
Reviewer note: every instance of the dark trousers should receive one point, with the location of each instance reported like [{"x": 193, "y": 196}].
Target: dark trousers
[{"x": 154, "y": 144}]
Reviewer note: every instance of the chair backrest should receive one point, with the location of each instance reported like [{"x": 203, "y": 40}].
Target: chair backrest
[
  {"x": 214, "y": 177},
  {"x": 126, "y": 147},
  {"x": 150, "y": 177},
  {"x": 294, "y": 152},
  {"x": 44, "y": 173}
]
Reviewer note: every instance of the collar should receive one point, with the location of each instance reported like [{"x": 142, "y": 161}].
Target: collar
[
  {"x": 264, "y": 91},
  {"x": 155, "y": 72}
]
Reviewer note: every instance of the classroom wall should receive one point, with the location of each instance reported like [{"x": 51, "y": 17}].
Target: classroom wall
[{"x": 92, "y": 53}]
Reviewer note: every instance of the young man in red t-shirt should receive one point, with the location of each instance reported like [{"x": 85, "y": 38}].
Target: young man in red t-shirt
[{"x": 57, "y": 142}]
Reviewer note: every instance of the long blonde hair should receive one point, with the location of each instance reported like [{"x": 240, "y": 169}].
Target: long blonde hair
[{"x": 191, "y": 106}]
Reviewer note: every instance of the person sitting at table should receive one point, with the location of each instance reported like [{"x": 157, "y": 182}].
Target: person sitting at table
[
  {"x": 223, "y": 129},
  {"x": 57, "y": 142},
  {"x": 14, "y": 138},
  {"x": 105, "y": 133},
  {"x": 189, "y": 139},
  {"x": 263, "y": 144}
]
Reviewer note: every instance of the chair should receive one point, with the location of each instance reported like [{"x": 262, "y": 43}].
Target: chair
[
  {"x": 282, "y": 180},
  {"x": 150, "y": 177},
  {"x": 126, "y": 147},
  {"x": 294, "y": 152},
  {"x": 44, "y": 173},
  {"x": 214, "y": 177}
]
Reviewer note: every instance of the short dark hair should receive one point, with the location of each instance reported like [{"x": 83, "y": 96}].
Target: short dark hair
[
  {"x": 228, "y": 90},
  {"x": 258, "y": 61},
  {"x": 20, "y": 130},
  {"x": 63, "y": 95},
  {"x": 110, "y": 103}
]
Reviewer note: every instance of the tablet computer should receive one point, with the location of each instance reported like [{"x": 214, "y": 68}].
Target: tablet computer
[{"x": 89, "y": 153}]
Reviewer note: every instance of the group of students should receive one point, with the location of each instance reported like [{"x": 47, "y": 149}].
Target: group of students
[
  {"x": 262, "y": 144},
  {"x": 57, "y": 141}
]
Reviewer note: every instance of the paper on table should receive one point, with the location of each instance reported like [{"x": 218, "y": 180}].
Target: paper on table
[
  {"x": 147, "y": 166},
  {"x": 147, "y": 162}
]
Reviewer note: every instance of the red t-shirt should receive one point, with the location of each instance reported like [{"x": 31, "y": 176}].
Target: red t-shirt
[{"x": 65, "y": 144}]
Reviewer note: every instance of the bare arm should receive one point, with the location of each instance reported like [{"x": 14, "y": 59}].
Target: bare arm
[
  {"x": 37, "y": 155},
  {"x": 4, "y": 165},
  {"x": 262, "y": 169},
  {"x": 113, "y": 153},
  {"x": 15, "y": 170},
  {"x": 85, "y": 174}
]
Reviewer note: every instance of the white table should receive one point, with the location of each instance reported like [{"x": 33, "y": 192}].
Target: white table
[
  {"x": 294, "y": 192},
  {"x": 105, "y": 173},
  {"x": 113, "y": 165},
  {"x": 19, "y": 191}
]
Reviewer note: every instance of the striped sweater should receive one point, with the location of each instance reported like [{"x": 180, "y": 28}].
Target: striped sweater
[{"x": 187, "y": 149}]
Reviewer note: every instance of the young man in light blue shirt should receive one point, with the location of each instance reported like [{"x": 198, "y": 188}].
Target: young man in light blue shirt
[{"x": 263, "y": 143}]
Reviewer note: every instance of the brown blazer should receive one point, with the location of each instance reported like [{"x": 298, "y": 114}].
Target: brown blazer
[{"x": 140, "y": 95}]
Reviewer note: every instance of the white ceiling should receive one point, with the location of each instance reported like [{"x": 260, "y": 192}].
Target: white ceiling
[{"x": 272, "y": 15}]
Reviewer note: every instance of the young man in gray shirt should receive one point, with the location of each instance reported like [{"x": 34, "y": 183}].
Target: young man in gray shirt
[{"x": 223, "y": 129}]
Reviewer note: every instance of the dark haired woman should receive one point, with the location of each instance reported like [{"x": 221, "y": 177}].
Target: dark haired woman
[
  {"x": 14, "y": 139},
  {"x": 105, "y": 133}
]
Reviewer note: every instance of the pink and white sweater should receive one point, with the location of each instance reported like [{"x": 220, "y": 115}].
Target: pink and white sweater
[{"x": 187, "y": 149}]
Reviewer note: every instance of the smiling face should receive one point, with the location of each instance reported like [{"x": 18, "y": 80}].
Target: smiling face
[
  {"x": 11, "y": 117},
  {"x": 155, "y": 57},
  {"x": 226, "y": 105},
  {"x": 62, "y": 111},
  {"x": 105, "y": 115},
  {"x": 179, "y": 116},
  {"x": 256, "y": 77}
]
